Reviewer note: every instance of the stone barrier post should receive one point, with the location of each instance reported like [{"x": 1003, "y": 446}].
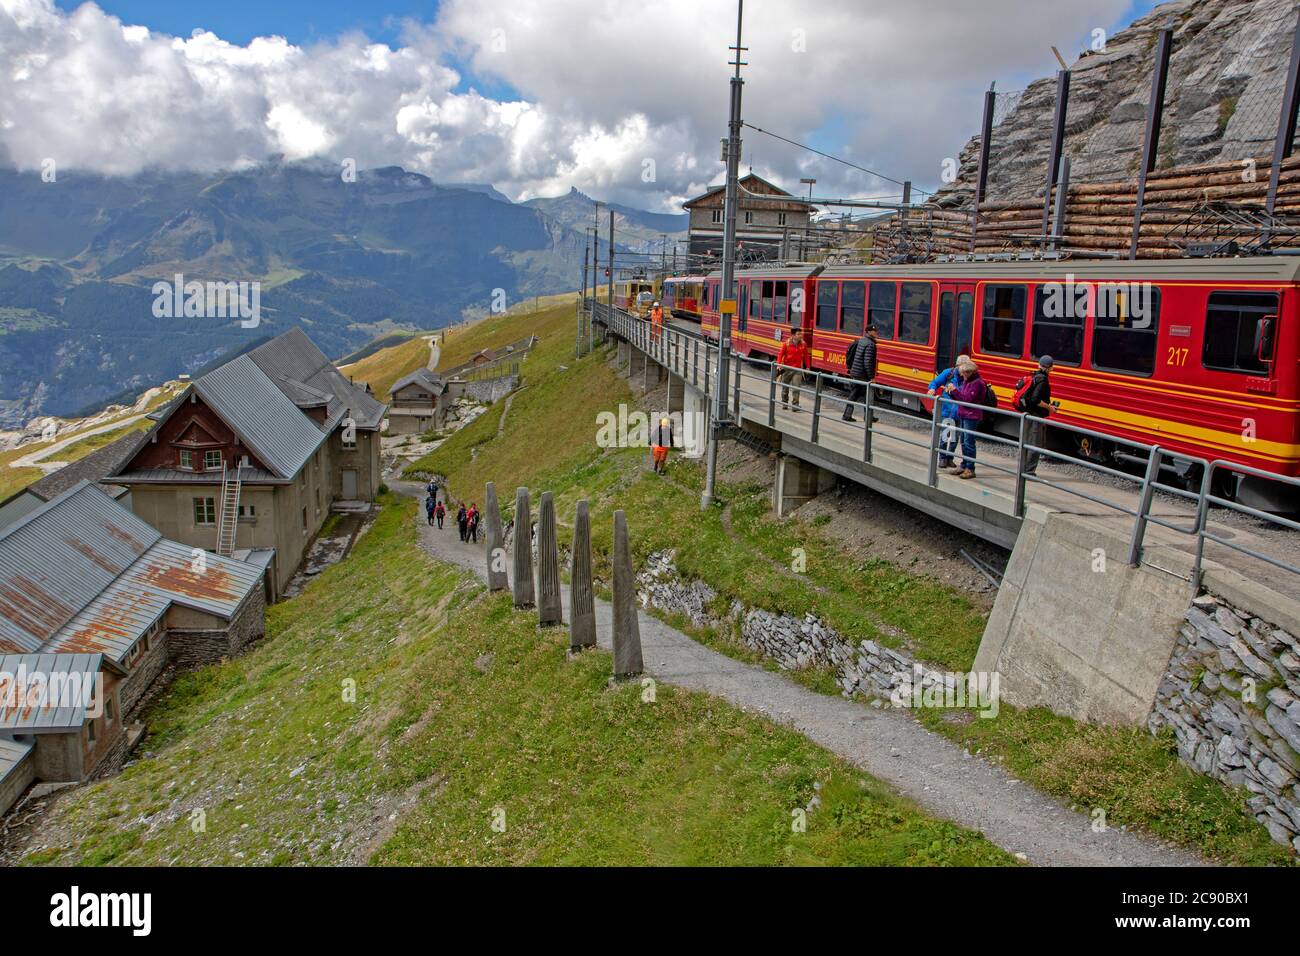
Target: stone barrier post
[
  {"x": 627, "y": 629},
  {"x": 582, "y": 602},
  {"x": 523, "y": 586},
  {"x": 550, "y": 610},
  {"x": 496, "y": 555}
]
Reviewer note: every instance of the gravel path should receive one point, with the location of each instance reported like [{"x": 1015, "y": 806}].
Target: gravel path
[{"x": 937, "y": 774}]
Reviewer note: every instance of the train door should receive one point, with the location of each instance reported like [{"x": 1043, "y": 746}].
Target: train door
[{"x": 956, "y": 322}]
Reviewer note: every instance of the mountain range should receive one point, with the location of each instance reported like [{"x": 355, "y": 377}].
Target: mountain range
[{"x": 347, "y": 260}]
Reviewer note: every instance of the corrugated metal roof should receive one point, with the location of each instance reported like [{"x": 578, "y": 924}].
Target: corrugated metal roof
[
  {"x": 171, "y": 475},
  {"x": 293, "y": 361},
  {"x": 166, "y": 574},
  {"x": 277, "y": 431},
  {"x": 12, "y": 754},
  {"x": 1246, "y": 269},
  {"x": 54, "y": 709},
  {"x": 59, "y": 558},
  {"x": 84, "y": 575},
  {"x": 421, "y": 376}
]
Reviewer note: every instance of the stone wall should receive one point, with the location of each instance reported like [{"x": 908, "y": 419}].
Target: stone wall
[
  {"x": 1232, "y": 698},
  {"x": 862, "y": 668},
  {"x": 19, "y": 779},
  {"x": 148, "y": 667},
  {"x": 191, "y": 646}
]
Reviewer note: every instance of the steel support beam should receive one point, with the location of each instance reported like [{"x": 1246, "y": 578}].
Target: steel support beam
[
  {"x": 982, "y": 176},
  {"x": 1151, "y": 143},
  {"x": 1286, "y": 122},
  {"x": 1058, "y": 143}
]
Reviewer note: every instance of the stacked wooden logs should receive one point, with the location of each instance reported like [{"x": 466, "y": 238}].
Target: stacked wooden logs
[{"x": 1098, "y": 216}]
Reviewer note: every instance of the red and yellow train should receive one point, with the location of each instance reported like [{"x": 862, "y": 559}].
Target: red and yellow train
[{"x": 1199, "y": 356}]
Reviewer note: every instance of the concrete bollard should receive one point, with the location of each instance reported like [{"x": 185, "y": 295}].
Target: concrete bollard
[
  {"x": 523, "y": 551},
  {"x": 496, "y": 555},
  {"x": 627, "y": 629},
  {"x": 550, "y": 610},
  {"x": 582, "y": 602}
]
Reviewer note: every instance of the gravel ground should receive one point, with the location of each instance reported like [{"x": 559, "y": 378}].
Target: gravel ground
[{"x": 938, "y": 775}]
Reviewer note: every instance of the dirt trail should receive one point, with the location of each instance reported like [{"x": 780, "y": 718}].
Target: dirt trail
[{"x": 932, "y": 771}]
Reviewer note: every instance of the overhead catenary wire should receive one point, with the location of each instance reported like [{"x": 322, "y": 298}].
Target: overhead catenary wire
[{"x": 837, "y": 159}]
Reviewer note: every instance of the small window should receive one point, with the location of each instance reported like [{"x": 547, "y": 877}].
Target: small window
[
  {"x": 187, "y": 459},
  {"x": 749, "y": 218},
  {"x": 1002, "y": 331},
  {"x": 211, "y": 460},
  {"x": 717, "y": 215},
  {"x": 780, "y": 301},
  {"x": 1235, "y": 331},
  {"x": 914, "y": 313},
  {"x": 852, "y": 307},
  {"x": 349, "y": 437},
  {"x": 304, "y": 519},
  {"x": 247, "y": 512},
  {"x": 205, "y": 511},
  {"x": 1060, "y": 336},
  {"x": 90, "y": 732},
  {"x": 1125, "y": 328},
  {"x": 828, "y": 300},
  {"x": 108, "y": 710},
  {"x": 884, "y": 298},
  {"x": 780, "y": 219}
]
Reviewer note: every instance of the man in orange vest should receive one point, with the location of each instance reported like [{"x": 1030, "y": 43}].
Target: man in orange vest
[
  {"x": 656, "y": 321},
  {"x": 793, "y": 359},
  {"x": 663, "y": 440}
]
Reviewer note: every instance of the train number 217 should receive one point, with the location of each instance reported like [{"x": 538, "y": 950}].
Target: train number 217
[{"x": 1177, "y": 356}]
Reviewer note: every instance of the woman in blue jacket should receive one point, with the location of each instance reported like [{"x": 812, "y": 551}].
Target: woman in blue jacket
[{"x": 947, "y": 413}]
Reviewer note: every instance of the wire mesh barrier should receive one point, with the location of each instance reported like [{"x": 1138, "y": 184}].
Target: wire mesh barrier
[{"x": 884, "y": 435}]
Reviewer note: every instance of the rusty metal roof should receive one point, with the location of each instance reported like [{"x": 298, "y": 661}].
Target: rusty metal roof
[
  {"x": 27, "y": 706},
  {"x": 84, "y": 575},
  {"x": 12, "y": 754},
  {"x": 59, "y": 558}
]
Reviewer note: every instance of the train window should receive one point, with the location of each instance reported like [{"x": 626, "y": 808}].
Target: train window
[
  {"x": 1060, "y": 336},
  {"x": 769, "y": 292},
  {"x": 779, "y": 302},
  {"x": 755, "y": 299},
  {"x": 914, "y": 313},
  {"x": 1125, "y": 327},
  {"x": 884, "y": 297},
  {"x": 1235, "y": 334},
  {"x": 1002, "y": 330},
  {"x": 828, "y": 300},
  {"x": 852, "y": 303}
]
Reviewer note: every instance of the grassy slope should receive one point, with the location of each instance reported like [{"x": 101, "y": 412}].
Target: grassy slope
[
  {"x": 549, "y": 444},
  {"x": 78, "y": 450},
  {"x": 286, "y": 771},
  {"x": 13, "y": 480},
  {"x": 386, "y": 366}
]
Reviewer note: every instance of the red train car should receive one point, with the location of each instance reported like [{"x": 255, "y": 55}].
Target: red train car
[
  {"x": 1199, "y": 356},
  {"x": 683, "y": 296},
  {"x": 769, "y": 302}
]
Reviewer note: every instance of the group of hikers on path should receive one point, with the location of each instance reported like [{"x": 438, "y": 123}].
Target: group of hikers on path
[
  {"x": 962, "y": 394},
  {"x": 467, "y": 519}
]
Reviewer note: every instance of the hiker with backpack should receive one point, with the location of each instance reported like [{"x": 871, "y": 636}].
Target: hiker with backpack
[
  {"x": 860, "y": 361},
  {"x": 429, "y": 507},
  {"x": 947, "y": 412},
  {"x": 1034, "y": 398},
  {"x": 462, "y": 521},
  {"x": 440, "y": 512},
  {"x": 471, "y": 523},
  {"x": 973, "y": 392}
]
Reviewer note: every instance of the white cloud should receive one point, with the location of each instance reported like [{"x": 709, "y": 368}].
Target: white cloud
[{"x": 603, "y": 88}]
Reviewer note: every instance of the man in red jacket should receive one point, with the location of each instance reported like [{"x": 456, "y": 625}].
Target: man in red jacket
[{"x": 792, "y": 359}]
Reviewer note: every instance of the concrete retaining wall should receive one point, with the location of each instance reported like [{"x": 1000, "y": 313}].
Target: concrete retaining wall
[{"x": 1075, "y": 628}]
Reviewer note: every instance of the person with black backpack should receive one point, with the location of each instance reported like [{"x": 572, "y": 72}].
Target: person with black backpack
[
  {"x": 1034, "y": 398},
  {"x": 860, "y": 361}
]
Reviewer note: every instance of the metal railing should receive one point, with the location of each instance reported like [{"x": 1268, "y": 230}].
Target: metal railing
[{"x": 681, "y": 354}]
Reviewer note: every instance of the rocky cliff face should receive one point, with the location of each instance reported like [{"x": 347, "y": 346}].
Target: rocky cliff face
[{"x": 1226, "y": 77}]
